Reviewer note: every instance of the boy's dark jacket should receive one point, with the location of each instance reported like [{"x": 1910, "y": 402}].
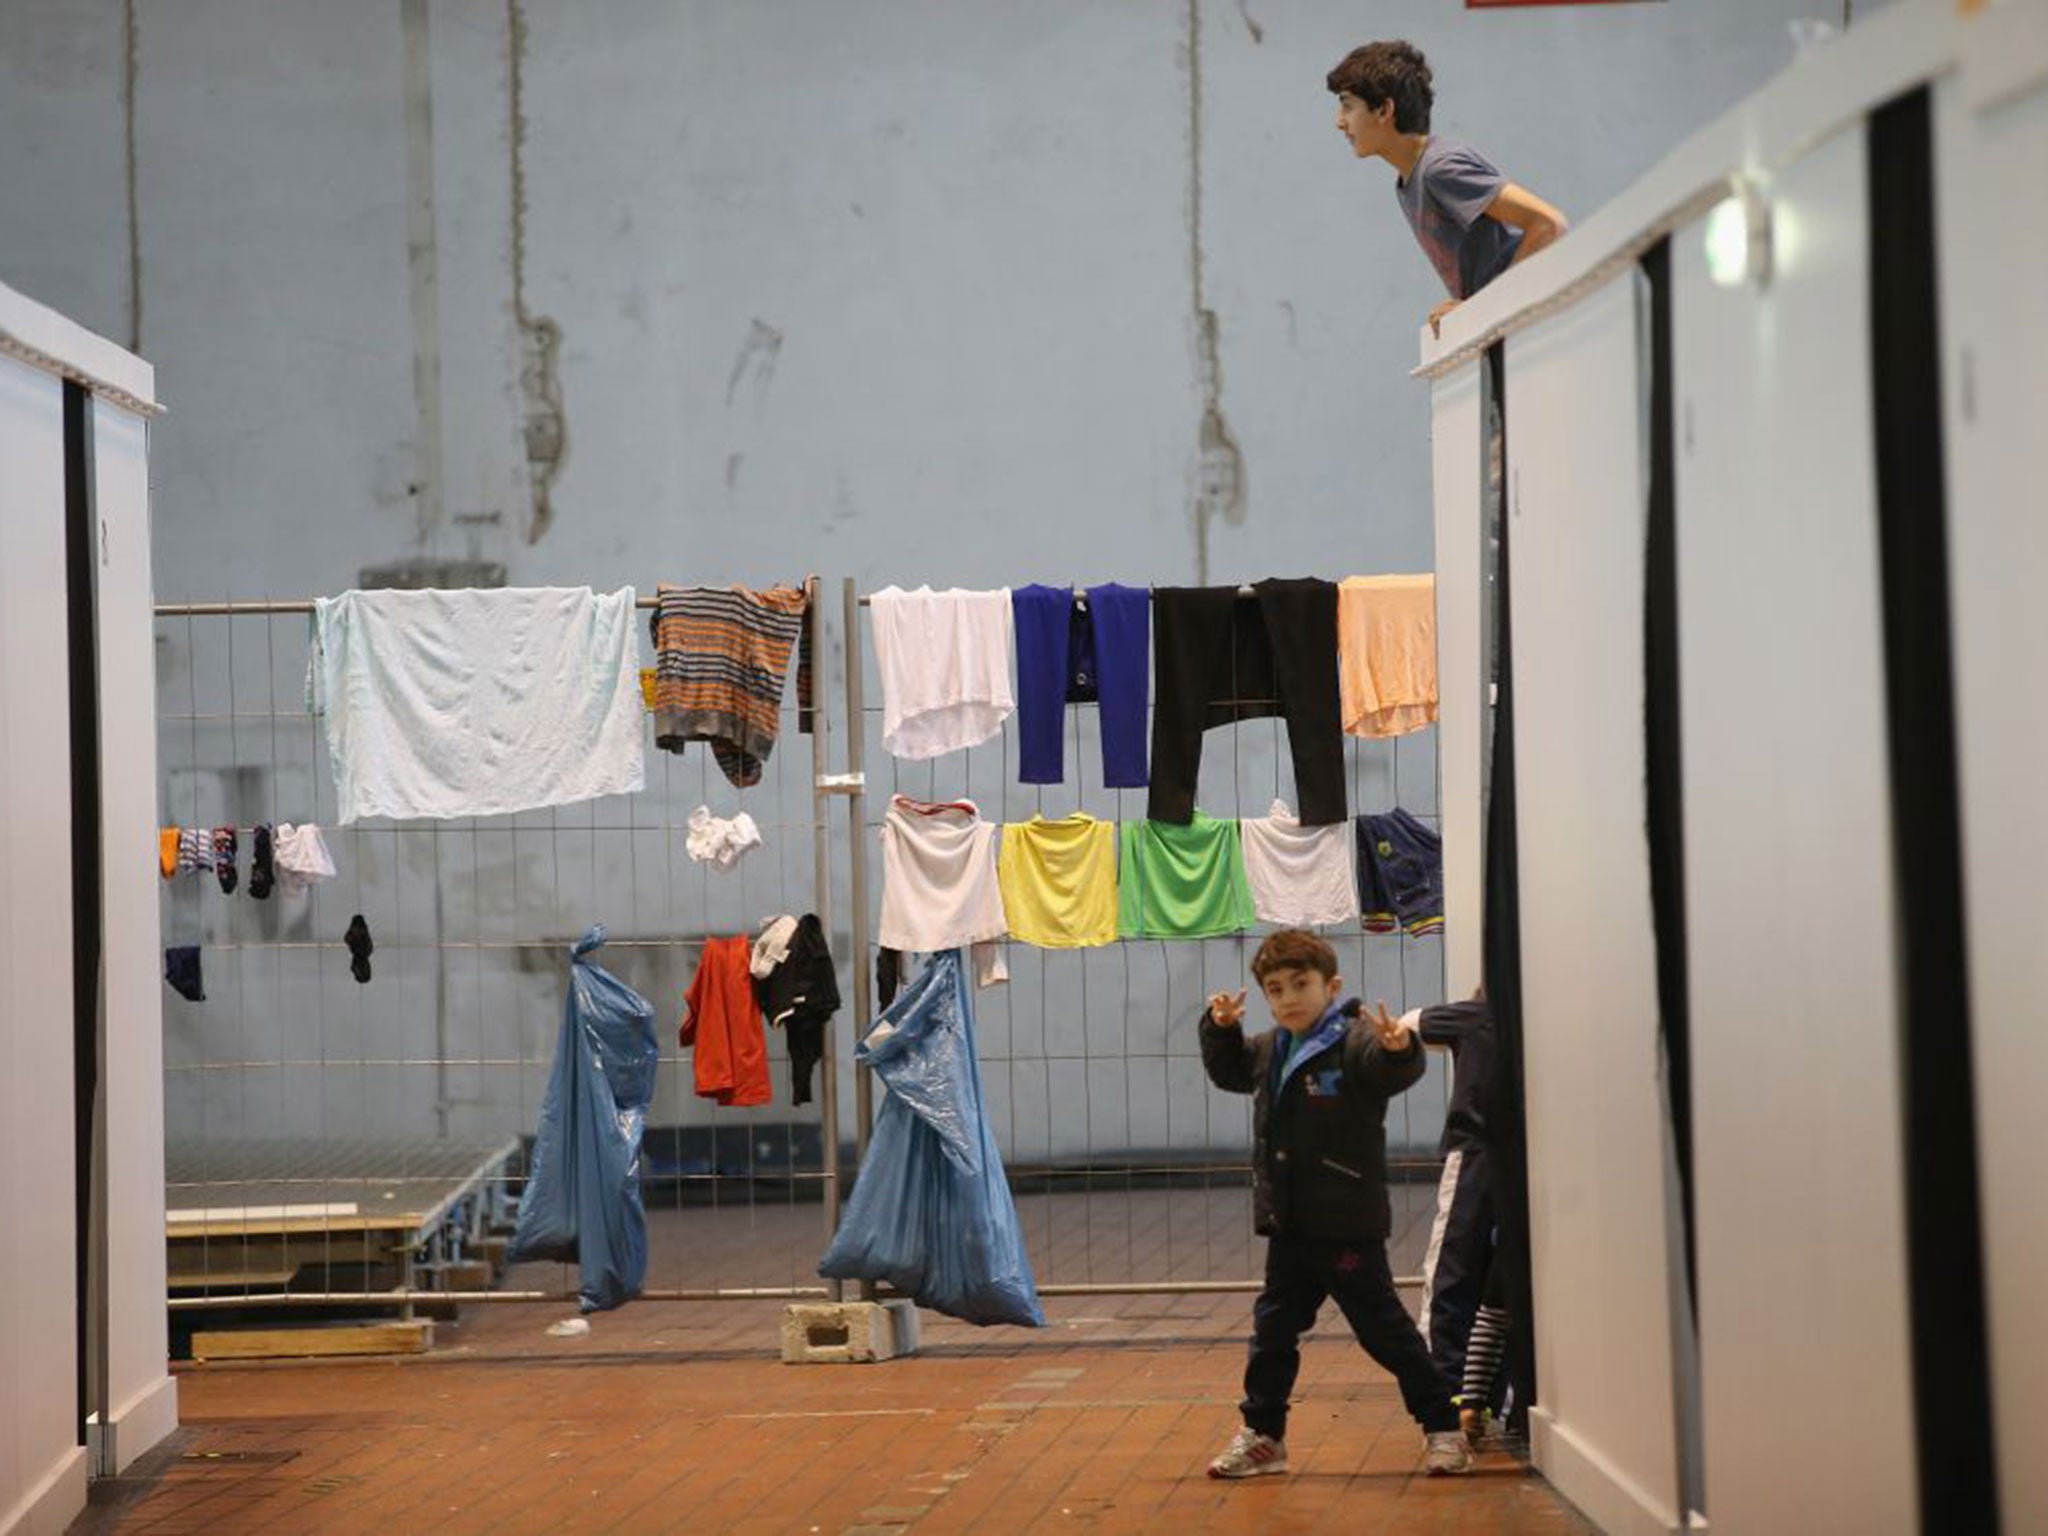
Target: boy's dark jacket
[{"x": 1319, "y": 1155}]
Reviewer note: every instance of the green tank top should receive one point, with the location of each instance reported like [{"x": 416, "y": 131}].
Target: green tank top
[{"x": 1176, "y": 882}]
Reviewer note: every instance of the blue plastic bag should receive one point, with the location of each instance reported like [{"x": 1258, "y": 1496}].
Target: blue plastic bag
[
  {"x": 931, "y": 1213},
  {"x": 582, "y": 1199}
]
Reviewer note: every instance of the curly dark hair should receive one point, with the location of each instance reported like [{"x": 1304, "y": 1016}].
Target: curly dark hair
[
  {"x": 1392, "y": 71},
  {"x": 1293, "y": 949}
]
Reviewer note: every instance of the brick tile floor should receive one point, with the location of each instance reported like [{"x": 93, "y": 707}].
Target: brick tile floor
[{"x": 678, "y": 1417}]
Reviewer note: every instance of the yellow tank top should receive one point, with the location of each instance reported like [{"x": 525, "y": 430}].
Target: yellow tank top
[{"x": 1059, "y": 881}]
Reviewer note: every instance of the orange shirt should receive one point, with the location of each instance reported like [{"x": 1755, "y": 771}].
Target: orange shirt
[
  {"x": 1386, "y": 645},
  {"x": 722, "y": 1023}
]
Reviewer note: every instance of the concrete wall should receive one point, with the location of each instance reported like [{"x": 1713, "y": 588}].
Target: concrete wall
[
  {"x": 861, "y": 273},
  {"x": 711, "y": 292}
]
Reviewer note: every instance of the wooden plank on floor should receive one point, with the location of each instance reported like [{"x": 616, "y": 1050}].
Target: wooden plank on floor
[{"x": 394, "y": 1338}]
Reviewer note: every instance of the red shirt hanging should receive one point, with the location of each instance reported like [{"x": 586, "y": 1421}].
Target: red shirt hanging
[{"x": 722, "y": 1023}]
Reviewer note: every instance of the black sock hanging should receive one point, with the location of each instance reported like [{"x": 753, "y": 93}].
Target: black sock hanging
[
  {"x": 225, "y": 850},
  {"x": 359, "y": 947},
  {"x": 261, "y": 873},
  {"x": 181, "y": 970}
]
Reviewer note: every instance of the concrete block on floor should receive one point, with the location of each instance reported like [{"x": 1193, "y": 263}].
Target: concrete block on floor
[{"x": 848, "y": 1332}]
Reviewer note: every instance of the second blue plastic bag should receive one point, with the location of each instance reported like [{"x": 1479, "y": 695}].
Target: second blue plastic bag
[
  {"x": 931, "y": 1213},
  {"x": 582, "y": 1200}
]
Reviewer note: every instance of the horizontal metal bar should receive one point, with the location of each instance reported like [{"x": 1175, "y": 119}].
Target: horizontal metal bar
[
  {"x": 465, "y": 829},
  {"x": 384, "y": 947},
  {"x": 345, "y": 1180},
  {"x": 404, "y": 1297},
  {"x": 1177, "y": 1287},
  {"x": 415, "y": 1296},
  {"x": 400, "y": 1176},
  {"x": 274, "y": 606},
  {"x": 866, "y": 598}
]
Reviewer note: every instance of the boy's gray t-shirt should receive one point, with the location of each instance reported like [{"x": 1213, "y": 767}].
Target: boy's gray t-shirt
[{"x": 1445, "y": 199}]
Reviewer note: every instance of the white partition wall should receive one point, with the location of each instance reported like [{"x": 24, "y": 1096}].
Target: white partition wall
[
  {"x": 142, "y": 1395},
  {"x": 1799, "y": 1107},
  {"x": 1991, "y": 150},
  {"x": 42, "y": 1467},
  {"x": 1602, "y": 1427},
  {"x": 1455, "y": 445},
  {"x": 1789, "y": 887}
]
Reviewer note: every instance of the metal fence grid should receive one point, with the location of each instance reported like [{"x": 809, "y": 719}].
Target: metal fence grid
[{"x": 293, "y": 1087}]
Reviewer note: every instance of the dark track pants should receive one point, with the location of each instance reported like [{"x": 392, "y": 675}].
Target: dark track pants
[
  {"x": 1460, "y": 1253},
  {"x": 1301, "y": 1273}
]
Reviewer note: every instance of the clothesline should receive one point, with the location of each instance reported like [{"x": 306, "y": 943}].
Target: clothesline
[
  {"x": 302, "y": 605},
  {"x": 1242, "y": 591}
]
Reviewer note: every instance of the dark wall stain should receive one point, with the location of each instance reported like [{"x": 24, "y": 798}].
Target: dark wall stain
[
  {"x": 755, "y": 363},
  {"x": 1220, "y": 487},
  {"x": 546, "y": 426}
]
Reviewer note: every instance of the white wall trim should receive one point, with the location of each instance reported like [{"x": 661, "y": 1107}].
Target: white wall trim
[
  {"x": 37, "y": 335},
  {"x": 1605, "y": 1495},
  {"x": 143, "y": 1422},
  {"x": 52, "y": 1504},
  {"x": 1837, "y": 84}
]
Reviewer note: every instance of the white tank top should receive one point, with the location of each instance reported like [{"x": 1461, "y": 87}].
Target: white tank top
[
  {"x": 939, "y": 887},
  {"x": 1300, "y": 876}
]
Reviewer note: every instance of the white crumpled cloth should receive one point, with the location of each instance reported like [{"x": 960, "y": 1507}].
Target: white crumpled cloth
[
  {"x": 299, "y": 856},
  {"x": 715, "y": 840}
]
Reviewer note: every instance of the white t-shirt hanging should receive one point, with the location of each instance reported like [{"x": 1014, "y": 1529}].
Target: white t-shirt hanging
[
  {"x": 1300, "y": 876},
  {"x": 944, "y": 658},
  {"x": 939, "y": 887}
]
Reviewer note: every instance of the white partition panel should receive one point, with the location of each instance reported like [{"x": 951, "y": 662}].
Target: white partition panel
[
  {"x": 1455, "y": 449},
  {"x": 1991, "y": 168},
  {"x": 1789, "y": 888},
  {"x": 141, "y": 1390},
  {"x": 1602, "y": 1424},
  {"x": 42, "y": 1469}
]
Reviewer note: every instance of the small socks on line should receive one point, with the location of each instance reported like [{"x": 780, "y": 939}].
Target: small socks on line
[
  {"x": 167, "y": 851},
  {"x": 225, "y": 849},
  {"x": 181, "y": 970},
  {"x": 359, "y": 946},
  {"x": 261, "y": 875},
  {"x": 195, "y": 850}
]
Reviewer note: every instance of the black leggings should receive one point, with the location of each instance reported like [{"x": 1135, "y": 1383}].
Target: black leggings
[{"x": 1219, "y": 658}]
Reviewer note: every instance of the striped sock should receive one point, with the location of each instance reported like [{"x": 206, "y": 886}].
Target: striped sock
[{"x": 1483, "y": 1354}]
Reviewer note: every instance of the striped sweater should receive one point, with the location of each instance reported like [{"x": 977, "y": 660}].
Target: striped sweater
[{"x": 721, "y": 655}]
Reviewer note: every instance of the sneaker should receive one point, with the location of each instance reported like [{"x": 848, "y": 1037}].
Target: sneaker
[
  {"x": 1448, "y": 1455},
  {"x": 1250, "y": 1454}
]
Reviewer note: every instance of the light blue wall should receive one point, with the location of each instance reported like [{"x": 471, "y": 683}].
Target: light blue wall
[
  {"x": 886, "y": 289},
  {"x": 969, "y": 226}
]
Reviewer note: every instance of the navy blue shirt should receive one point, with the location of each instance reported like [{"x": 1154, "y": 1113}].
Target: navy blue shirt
[{"x": 1445, "y": 199}]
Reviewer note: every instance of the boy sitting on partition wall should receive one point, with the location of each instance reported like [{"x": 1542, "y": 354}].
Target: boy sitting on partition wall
[
  {"x": 1320, "y": 1082},
  {"x": 1471, "y": 221}
]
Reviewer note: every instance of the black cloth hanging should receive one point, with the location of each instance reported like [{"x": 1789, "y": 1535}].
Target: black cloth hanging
[
  {"x": 1218, "y": 657},
  {"x": 181, "y": 970},
  {"x": 802, "y": 994}
]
